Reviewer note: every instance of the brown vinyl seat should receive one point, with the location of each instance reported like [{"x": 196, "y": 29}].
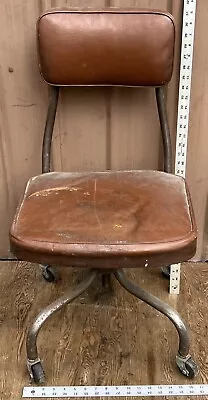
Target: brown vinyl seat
[
  {"x": 110, "y": 220},
  {"x": 105, "y": 219}
]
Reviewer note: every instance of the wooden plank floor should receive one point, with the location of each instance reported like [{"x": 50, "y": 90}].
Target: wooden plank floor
[{"x": 102, "y": 338}]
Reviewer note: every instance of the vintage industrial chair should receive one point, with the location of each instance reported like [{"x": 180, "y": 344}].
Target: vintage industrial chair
[{"x": 105, "y": 221}]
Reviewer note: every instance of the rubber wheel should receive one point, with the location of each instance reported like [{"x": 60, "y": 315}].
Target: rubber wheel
[
  {"x": 38, "y": 373},
  {"x": 49, "y": 274},
  {"x": 192, "y": 368},
  {"x": 166, "y": 272}
]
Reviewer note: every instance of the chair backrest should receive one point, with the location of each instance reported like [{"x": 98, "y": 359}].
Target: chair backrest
[
  {"x": 117, "y": 47},
  {"x": 112, "y": 46}
]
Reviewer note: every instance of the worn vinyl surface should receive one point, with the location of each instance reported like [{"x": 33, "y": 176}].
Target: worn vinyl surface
[
  {"x": 73, "y": 47},
  {"x": 108, "y": 219},
  {"x": 101, "y": 338}
]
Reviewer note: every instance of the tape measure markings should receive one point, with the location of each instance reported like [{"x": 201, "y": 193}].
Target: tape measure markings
[
  {"x": 187, "y": 50},
  {"x": 114, "y": 391}
]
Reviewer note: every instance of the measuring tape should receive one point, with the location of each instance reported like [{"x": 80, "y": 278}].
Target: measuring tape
[
  {"x": 187, "y": 49},
  {"x": 114, "y": 391}
]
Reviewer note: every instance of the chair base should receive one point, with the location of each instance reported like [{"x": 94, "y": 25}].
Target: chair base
[
  {"x": 183, "y": 359},
  {"x": 51, "y": 275}
]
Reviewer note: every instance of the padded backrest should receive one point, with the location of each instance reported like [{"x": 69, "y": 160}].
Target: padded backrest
[{"x": 106, "y": 47}]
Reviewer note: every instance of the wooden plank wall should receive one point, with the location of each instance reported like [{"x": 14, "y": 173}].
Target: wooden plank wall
[
  {"x": 95, "y": 128},
  {"x": 197, "y": 168}
]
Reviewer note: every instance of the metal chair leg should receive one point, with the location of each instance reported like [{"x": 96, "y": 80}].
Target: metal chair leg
[
  {"x": 33, "y": 361},
  {"x": 183, "y": 359},
  {"x": 106, "y": 281}
]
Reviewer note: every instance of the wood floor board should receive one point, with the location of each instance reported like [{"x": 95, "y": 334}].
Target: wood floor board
[{"x": 103, "y": 338}]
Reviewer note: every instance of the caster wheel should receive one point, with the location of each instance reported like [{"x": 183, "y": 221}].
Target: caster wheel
[
  {"x": 37, "y": 373},
  {"x": 166, "y": 272},
  {"x": 49, "y": 274},
  {"x": 187, "y": 366},
  {"x": 191, "y": 367}
]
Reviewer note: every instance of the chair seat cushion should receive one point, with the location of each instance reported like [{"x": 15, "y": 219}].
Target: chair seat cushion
[{"x": 105, "y": 220}]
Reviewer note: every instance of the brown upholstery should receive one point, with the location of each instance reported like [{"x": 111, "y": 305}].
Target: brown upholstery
[
  {"x": 105, "y": 220},
  {"x": 106, "y": 47}
]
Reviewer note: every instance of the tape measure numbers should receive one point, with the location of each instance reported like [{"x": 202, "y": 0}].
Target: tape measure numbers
[
  {"x": 187, "y": 49},
  {"x": 114, "y": 391}
]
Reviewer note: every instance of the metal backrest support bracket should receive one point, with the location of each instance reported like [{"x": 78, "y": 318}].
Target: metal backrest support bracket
[
  {"x": 48, "y": 132},
  {"x": 50, "y": 121}
]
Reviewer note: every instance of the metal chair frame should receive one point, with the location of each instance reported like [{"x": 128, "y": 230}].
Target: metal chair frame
[{"x": 183, "y": 359}]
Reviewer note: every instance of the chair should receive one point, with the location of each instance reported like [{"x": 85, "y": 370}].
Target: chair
[{"x": 106, "y": 221}]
